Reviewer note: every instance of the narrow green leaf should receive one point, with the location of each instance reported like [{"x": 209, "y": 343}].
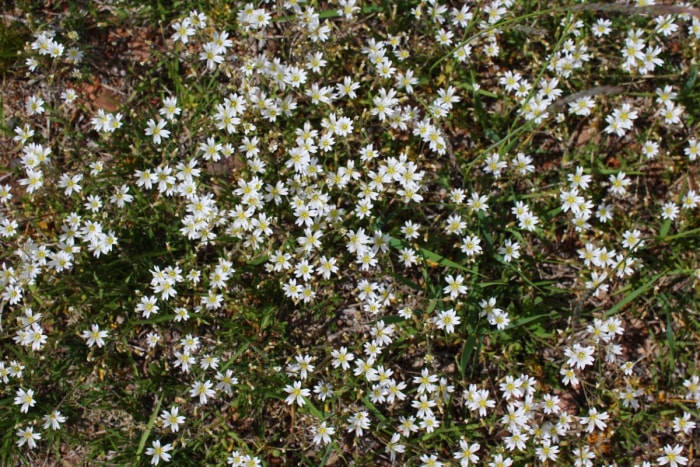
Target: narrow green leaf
[
  {"x": 692, "y": 78},
  {"x": 643, "y": 288},
  {"x": 406, "y": 281},
  {"x": 373, "y": 408},
  {"x": 664, "y": 228},
  {"x": 258, "y": 261},
  {"x": 155, "y": 320},
  {"x": 149, "y": 427},
  {"x": 391, "y": 319},
  {"x": 530, "y": 319},
  {"x": 467, "y": 351},
  {"x": 327, "y": 454},
  {"x": 429, "y": 255},
  {"x": 684, "y": 234},
  {"x": 313, "y": 409}
]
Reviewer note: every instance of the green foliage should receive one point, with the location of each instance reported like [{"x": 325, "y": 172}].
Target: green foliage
[
  {"x": 13, "y": 36},
  {"x": 219, "y": 292}
]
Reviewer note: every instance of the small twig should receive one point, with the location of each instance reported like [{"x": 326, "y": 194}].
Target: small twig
[
  {"x": 597, "y": 90},
  {"x": 113, "y": 89},
  {"x": 15, "y": 19},
  {"x": 653, "y": 9}
]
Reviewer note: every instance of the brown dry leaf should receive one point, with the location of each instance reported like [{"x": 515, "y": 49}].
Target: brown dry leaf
[
  {"x": 587, "y": 134},
  {"x": 98, "y": 96},
  {"x": 141, "y": 46},
  {"x": 72, "y": 457},
  {"x": 106, "y": 99},
  {"x": 134, "y": 44}
]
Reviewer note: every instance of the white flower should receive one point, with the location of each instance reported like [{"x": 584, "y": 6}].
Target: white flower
[
  {"x": 619, "y": 183},
  {"x": 159, "y": 452},
  {"x": 296, "y": 393},
  {"x": 447, "y": 320},
  {"x": 693, "y": 149},
  {"x": 202, "y": 390},
  {"x": 322, "y": 433},
  {"x": 25, "y": 399},
  {"x": 342, "y": 358},
  {"x": 183, "y": 31},
  {"x": 602, "y": 27},
  {"x": 53, "y": 420},
  {"x": 467, "y": 453},
  {"x": 94, "y": 336},
  {"x": 683, "y": 424},
  {"x": 410, "y": 230},
  {"x": 157, "y": 130},
  {"x": 213, "y": 54},
  {"x": 172, "y": 419},
  {"x": 358, "y": 422},
  {"x": 69, "y": 95},
  {"x": 594, "y": 420},
  {"x": 528, "y": 222},
  {"x": 113, "y": 122},
  {"x": 568, "y": 376},
  {"x": 510, "y": 250},
  {"x": 631, "y": 239},
  {"x": 35, "y": 105},
  {"x": 28, "y": 437},
  {"x": 455, "y": 286},
  {"x": 170, "y": 108},
  {"x": 471, "y": 245},
  {"x": 225, "y": 381},
  {"x": 580, "y": 356},
  {"x": 672, "y": 456},
  {"x": 32, "y": 63}
]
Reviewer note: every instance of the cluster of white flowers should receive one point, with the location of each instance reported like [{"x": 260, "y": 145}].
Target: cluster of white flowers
[
  {"x": 323, "y": 181},
  {"x": 45, "y": 44}
]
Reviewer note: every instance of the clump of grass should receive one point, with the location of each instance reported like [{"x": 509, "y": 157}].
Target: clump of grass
[{"x": 13, "y": 37}]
